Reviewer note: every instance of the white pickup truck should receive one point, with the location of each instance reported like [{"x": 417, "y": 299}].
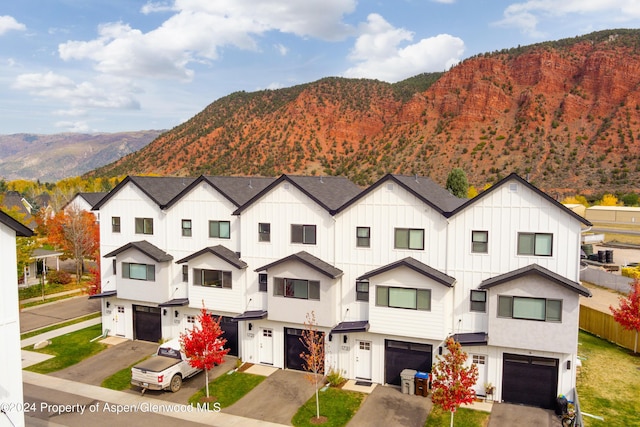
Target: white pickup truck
[{"x": 164, "y": 370}]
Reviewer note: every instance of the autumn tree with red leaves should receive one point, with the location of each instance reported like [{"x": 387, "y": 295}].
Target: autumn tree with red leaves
[
  {"x": 313, "y": 357},
  {"x": 628, "y": 313},
  {"x": 453, "y": 382},
  {"x": 203, "y": 346}
]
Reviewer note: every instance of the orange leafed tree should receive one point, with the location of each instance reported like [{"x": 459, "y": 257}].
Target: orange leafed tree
[{"x": 313, "y": 357}]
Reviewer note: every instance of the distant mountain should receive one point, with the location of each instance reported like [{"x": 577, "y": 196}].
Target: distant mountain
[
  {"x": 49, "y": 158},
  {"x": 565, "y": 113}
]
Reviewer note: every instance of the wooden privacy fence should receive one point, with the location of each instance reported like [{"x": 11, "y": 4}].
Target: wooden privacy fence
[{"x": 602, "y": 324}]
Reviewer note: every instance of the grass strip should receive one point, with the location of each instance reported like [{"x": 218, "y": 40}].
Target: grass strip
[
  {"x": 228, "y": 388},
  {"x": 58, "y": 326},
  {"x": 121, "y": 380},
  {"x": 338, "y": 405}
]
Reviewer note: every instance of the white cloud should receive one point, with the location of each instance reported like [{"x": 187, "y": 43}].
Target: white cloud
[
  {"x": 8, "y": 23},
  {"x": 528, "y": 15},
  {"x": 79, "y": 126},
  {"x": 378, "y": 53},
  {"x": 282, "y": 49}
]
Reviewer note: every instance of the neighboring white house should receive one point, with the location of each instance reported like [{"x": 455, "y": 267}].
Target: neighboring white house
[
  {"x": 85, "y": 202},
  {"x": 10, "y": 357},
  {"x": 390, "y": 272}
]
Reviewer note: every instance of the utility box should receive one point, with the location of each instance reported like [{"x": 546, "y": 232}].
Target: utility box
[
  {"x": 422, "y": 383},
  {"x": 407, "y": 379}
]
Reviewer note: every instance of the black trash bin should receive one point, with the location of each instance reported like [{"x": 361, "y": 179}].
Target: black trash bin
[{"x": 561, "y": 405}]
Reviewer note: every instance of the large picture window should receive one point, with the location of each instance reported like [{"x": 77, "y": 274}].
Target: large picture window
[
  {"x": 414, "y": 299},
  {"x": 144, "y": 225},
  {"x": 538, "y": 244},
  {"x": 296, "y": 288},
  {"x": 212, "y": 278},
  {"x": 220, "y": 229},
  {"x": 542, "y": 309},
  {"x": 138, "y": 271},
  {"x": 305, "y": 234},
  {"x": 409, "y": 238}
]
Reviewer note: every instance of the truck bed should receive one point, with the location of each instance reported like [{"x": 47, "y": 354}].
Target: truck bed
[{"x": 156, "y": 364}]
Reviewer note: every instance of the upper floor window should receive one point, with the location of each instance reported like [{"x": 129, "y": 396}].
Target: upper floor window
[
  {"x": 362, "y": 290},
  {"x": 296, "y": 288},
  {"x": 220, "y": 229},
  {"x": 538, "y": 244},
  {"x": 549, "y": 310},
  {"x": 415, "y": 299},
  {"x": 115, "y": 224},
  {"x": 264, "y": 232},
  {"x": 186, "y": 227},
  {"x": 139, "y": 271},
  {"x": 262, "y": 282},
  {"x": 144, "y": 225},
  {"x": 409, "y": 238},
  {"x": 363, "y": 237},
  {"x": 478, "y": 300},
  {"x": 212, "y": 278},
  {"x": 480, "y": 242},
  {"x": 113, "y": 263},
  {"x": 185, "y": 273},
  {"x": 303, "y": 234}
]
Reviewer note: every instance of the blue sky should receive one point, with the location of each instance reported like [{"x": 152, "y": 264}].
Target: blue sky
[{"x": 123, "y": 65}]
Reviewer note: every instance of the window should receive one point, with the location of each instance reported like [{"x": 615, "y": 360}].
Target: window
[
  {"x": 186, "y": 227},
  {"x": 212, "y": 278},
  {"x": 480, "y": 242},
  {"x": 138, "y": 271},
  {"x": 303, "y": 234},
  {"x": 296, "y": 288},
  {"x": 363, "y": 237},
  {"x": 478, "y": 301},
  {"x": 409, "y": 238},
  {"x": 414, "y": 299},
  {"x": 362, "y": 290},
  {"x": 144, "y": 225},
  {"x": 220, "y": 229},
  {"x": 539, "y": 244},
  {"x": 549, "y": 310},
  {"x": 264, "y": 232},
  {"x": 262, "y": 282},
  {"x": 185, "y": 273},
  {"x": 114, "y": 267},
  {"x": 115, "y": 224}
]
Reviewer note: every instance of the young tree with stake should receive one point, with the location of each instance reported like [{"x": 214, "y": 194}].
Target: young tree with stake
[{"x": 313, "y": 358}]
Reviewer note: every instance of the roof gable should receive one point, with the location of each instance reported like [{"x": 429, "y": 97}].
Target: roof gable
[
  {"x": 146, "y": 248},
  {"x": 310, "y": 261},
  {"x": 221, "y": 252},
  {"x": 414, "y": 265},
  {"x": 161, "y": 190}
]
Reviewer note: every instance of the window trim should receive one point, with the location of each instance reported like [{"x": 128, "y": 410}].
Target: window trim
[
  {"x": 509, "y": 302},
  {"x": 262, "y": 282},
  {"x": 303, "y": 231},
  {"x": 144, "y": 226},
  {"x": 363, "y": 241},
  {"x": 217, "y": 224},
  {"x": 409, "y": 231},
  {"x": 185, "y": 273},
  {"x": 475, "y": 243},
  {"x": 226, "y": 279},
  {"x": 383, "y": 297},
  {"x": 150, "y": 271},
  {"x": 115, "y": 224},
  {"x": 472, "y": 300},
  {"x": 361, "y": 295},
  {"x": 186, "y": 231},
  {"x": 535, "y": 244},
  {"x": 286, "y": 288},
  {"x": 264, "y": 232}
]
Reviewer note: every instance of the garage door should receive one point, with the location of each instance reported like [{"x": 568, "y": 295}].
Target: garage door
[
  {"x": 400, "y": 355},
  {"x": 530, "y": 380},
  {"x": 294, "y": 348},
  {"x": 147, "y": 323},
  {"x": 230, "y": 329}
]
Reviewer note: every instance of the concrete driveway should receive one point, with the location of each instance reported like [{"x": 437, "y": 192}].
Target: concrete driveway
[
  {"x": 276, "y": 399},
  {"x": 505, "y": 414},
  {"x": 388, "y": 406}
]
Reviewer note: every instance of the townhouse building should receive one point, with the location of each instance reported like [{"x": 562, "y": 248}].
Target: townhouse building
[{"x": 390, "y": 272}]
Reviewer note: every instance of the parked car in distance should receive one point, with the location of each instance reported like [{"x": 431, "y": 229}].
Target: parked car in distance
[{"x": 165, "y": 370}]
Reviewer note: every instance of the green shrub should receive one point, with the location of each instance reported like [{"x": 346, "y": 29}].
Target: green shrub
[
  {"x": 61, "y": 277},
  {"x": 335, "y": 378}
]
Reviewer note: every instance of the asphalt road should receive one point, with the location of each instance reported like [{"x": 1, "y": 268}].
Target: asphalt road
[{"x": 59, "y": 311}]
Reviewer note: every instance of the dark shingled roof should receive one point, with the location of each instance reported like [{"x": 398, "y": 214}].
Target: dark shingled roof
[
  {"x": 330, "y": 192},
  {"x": 146, "y": 248},
  {"x": 540, "y": 271},
  {"x": 93, "y": 198},
  {"x": 415, "y": 265},
  {"x": 422, "y": 187},
  {"x": 309, "y": 260},
  {"x": 220, "y": 251},
  {"x": 251, "y": 315},
  {"x": 472, "y": 338},
  {"x": 20, "y": 229},
  {"x": 348, "y": 327},
  {"x": 159, "y": 189}
]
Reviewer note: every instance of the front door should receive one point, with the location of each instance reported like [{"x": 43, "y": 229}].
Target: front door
[
  {"x": 363, "y": 360},
  {"x": 481, "y": 362},
  {"x": 119, "y": 319},
  {"x": 266, "y": 346}
]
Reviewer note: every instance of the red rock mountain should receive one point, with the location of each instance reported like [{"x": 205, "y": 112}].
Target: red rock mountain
[{"x": 565, "y": 113}]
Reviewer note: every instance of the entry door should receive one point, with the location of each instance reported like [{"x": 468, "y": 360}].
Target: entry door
[
  {"x": 363, "y": 360},
  {"x": 266, "y": 346},
  {"x": 481, "y": 362},
  {"x": 120, "y": 326}
]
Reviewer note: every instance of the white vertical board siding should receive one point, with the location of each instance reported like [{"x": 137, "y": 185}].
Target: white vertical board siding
[
  {"x": 157, "y": 291},
  {"x": 559, "y": 337},
  {"x": 217, "y": 299},
  {"x": 411, "y": 323}
]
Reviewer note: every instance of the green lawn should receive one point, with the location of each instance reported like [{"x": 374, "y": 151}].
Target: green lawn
[
  {"x": 69, "y": 349},
  {"x": 608, "y": 383},
  {"x": 228, "y": 388},
  {"x": 121, "y": 380},
  {"x": 463, "y": 417},
  {"x": 338, "y": 405}
]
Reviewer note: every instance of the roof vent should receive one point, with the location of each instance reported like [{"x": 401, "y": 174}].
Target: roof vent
[
  {"x": 513, "y": 187},
  {"x": 390, "y": 186}
]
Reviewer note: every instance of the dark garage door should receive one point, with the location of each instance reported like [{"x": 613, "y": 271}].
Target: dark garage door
[
  {"x": 294, "y": 348},
  {"x": 400, "y": 355},
  {"x": 230, "y": 329},
  {"x": 530, "y": 380},
  {"x": 147, "y": 323}
]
